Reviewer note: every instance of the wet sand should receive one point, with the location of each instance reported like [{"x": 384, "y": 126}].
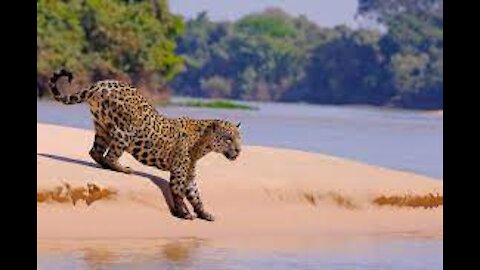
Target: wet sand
[{"x": 280, "y": 198}]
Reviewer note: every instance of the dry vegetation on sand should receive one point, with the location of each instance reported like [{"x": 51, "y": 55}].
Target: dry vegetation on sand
[{"x": 67, "y": 194}]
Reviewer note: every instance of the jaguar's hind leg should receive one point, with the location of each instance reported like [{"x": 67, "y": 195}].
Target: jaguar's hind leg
[
  {"x": 100, "y": 146},
  {"x": 119, "y": 143}
]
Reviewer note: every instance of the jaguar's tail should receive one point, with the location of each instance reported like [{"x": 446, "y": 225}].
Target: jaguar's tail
[{"x": 78, "y": 97}]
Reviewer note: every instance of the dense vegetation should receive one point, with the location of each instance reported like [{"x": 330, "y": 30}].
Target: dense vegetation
[
  {"x": 268, "y": 56},
  {"x": 129, "y": 40},
  {"x": 273, "y": 56}
]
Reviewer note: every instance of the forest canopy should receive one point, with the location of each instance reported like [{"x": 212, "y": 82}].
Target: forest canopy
[{"x": 267, "y": 56}]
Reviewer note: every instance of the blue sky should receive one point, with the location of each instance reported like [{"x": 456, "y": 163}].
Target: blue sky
[{"x": 323, "y": 12}]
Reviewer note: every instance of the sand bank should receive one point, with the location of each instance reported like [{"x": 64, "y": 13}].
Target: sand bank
[{"x": 266, "y": 193}]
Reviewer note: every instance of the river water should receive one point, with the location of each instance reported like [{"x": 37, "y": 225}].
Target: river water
[{"x": 398, "y": 139}]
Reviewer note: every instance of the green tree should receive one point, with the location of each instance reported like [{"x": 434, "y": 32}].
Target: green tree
[
  {"x": 349, "y": 69},
  {"x": 60, "y": 39},
  {"x": 413, "y": 47},
  {"x": 258, "y": 54},
  {"x": 272, "y": 22},
  {"x": 134, "y": 40}
]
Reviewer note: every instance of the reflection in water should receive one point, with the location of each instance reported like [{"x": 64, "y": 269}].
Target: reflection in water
[
  {"x": 98, "y": 258},
  {"x": 180, "y": 251},
  {"x": 97, "y": 254},
  {"x": 193, "y": 253}
]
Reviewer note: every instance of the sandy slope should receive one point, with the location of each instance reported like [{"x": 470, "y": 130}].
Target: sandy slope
[{"x": 265, "y": 193}]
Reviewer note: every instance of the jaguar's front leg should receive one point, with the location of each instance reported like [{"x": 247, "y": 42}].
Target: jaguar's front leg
[
  {"x": 177, "y": 187},
  {"x": 193, "y": 196}
]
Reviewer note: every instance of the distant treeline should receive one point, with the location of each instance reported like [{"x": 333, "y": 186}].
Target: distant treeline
[{"x": 267, "y": 56}]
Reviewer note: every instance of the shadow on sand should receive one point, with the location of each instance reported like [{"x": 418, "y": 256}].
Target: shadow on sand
[{"x": 161, "y": 183}]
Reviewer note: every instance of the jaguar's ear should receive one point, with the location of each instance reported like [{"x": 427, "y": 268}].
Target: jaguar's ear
[{"x": 238, "y": 125}]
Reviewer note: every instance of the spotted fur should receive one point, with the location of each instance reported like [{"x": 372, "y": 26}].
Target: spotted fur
[{"x": 125, "y": 121}]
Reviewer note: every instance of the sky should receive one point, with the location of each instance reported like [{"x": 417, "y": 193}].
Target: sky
[{"x": 323, "y": 12}]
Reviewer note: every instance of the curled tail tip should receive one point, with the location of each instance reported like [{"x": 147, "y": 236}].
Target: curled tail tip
[
  {"x": 57, "y": 75},
  {"x": 65, "y": 72},
  {"x": 60, "y": 73}
]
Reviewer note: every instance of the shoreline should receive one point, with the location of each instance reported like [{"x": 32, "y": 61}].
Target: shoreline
[
  {"x": 175, "y": 99},
  {"x": 265, "y": 194}
]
